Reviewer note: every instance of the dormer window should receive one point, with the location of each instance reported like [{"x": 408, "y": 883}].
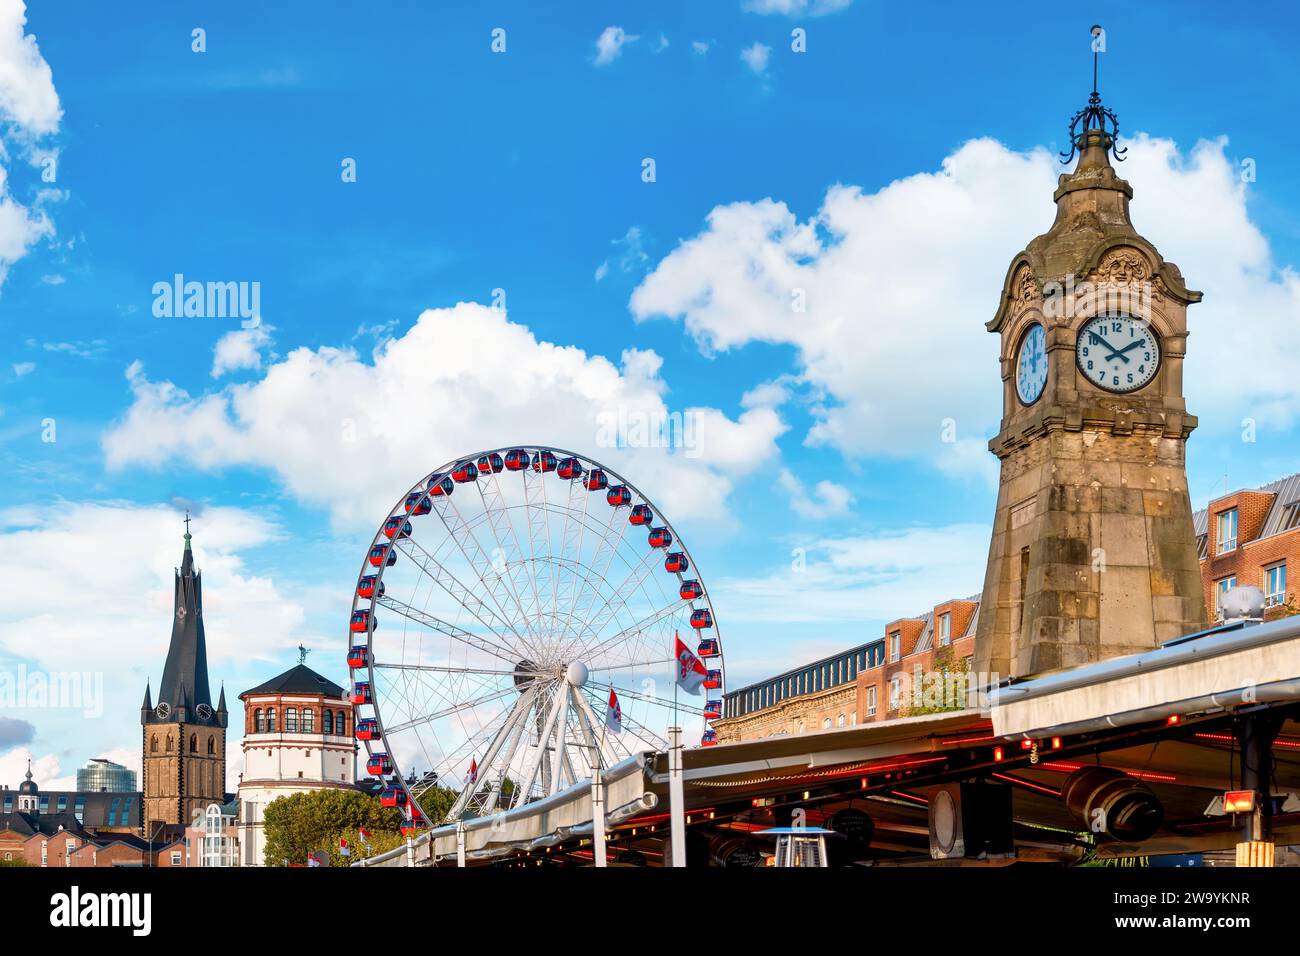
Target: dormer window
[
  {"x": 895, "y": 645},
  {"x": 945, "y": 629},
  {"x": 1227, "y": 536}
]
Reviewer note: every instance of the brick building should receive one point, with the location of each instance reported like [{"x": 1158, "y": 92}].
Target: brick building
[{"x": 1250, "y": 537}]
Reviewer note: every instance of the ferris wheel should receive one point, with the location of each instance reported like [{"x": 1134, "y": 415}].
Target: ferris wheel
[{"x": 531, "y": 601}]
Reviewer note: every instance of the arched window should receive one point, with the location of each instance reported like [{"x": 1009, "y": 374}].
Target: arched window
[
  {"x": 270, "y": 720},
  {"x": 169, "y": 743},
  {"x": 212, "y": 744},
  {"x": 328, "y": 718},
  {"x": 291, "y": 720},
  {"x": 194, "y": 743},
  {"x": 340, "y": 725},
  {"x": 153, "y": 744},
  {"x": 259, "y": 721},
  {"x": 826, "y": 724},
  {"x": 839, "y": 721},
  {"x": 308, "y": 720}
]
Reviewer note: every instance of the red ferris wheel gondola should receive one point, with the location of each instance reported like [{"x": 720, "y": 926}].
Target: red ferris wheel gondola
[
  {"x": 367, "y": 729},
  {"x": 440, "y": 486},
  {"x": 641, "y": 515},
  {"x": 392, "y": 797},
  {"x": 360, "y": 622},
  {"x": 516, "y": 459},
  {"x": 713, "y": 679},
  {"x": 701, "y": 618},
  {"x": 712, "y": 709},
  {"x": 464, "y": 472},
  {"x": 366, "y": 587},
  {"x": 660, "y": 537},
  {"x": 596, "y": 480},
  {"x": 618, "y": 495},
  {"x": 418, "y": 503},
  {"x": 544, "y": 461},
  {"x": 709, "y": 647},
  {"x": 490, "y": 464},
  {"x": 358, "y": 656},
  {"x": 691, "y": 590},
  {"x": 361, "y": 692},
  {"x": 382, "y": 554},
  {"x": 569, "y": 469},
  {"x": 709, "y": 738},
  {"x": 397, "y": 526},
  {"x": 675, "y": 563},
  {"x": 379, "y": 765}
]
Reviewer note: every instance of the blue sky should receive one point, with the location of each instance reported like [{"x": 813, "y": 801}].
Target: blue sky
[{"x": 891, "y": 171}]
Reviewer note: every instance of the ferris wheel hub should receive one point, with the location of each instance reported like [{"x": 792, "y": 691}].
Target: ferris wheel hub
[{"x": 577, "y": 674}]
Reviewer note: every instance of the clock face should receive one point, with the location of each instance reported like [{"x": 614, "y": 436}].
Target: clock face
[
  {"x": 1031, "y": 365},
  {"x": 204, "y": 711},
  {"x": 162, "y": 710},
  {"x": 1118, "y": 352}
]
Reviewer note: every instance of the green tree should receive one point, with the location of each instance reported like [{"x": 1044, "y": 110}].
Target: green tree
[
  {"x": 951, "y": 675},
  {"x": 304, "y": 822}
]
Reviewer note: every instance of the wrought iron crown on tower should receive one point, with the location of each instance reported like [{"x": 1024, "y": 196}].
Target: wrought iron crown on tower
[{"x": 1094, "y": 116}]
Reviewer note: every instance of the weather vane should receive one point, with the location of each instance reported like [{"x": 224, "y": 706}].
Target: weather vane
[
  {"x": 1094, "y": 115},
  {"x": 302, "y": 654}
]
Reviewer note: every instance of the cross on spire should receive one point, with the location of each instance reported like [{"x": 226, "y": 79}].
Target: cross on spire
[{"x": 187, "y": 511}]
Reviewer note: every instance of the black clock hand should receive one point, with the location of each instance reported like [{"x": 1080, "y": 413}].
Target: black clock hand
[{"x": 1120, "y": 352}]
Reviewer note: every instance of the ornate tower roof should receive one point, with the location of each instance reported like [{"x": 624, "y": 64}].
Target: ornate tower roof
[{"x": 183, "y": 694}]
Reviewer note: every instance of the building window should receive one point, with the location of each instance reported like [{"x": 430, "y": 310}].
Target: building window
[
  {"x": 328, "y": 717},
  {"x": 1227, "y": 538},
  {"x": 79, "y": 809},
  {"x": 1275, "y": 585},
  {"x": 826, "y": 724},
  {"x": 1221, "y": 587},
  {"x": 194, "y": 743},
  {"x": 212, "y": 744},
  {"x": 895, "y": 645},
  {"x": 63, "y": 802},
  {"x": 291, "y": 720},
  {"x": 308, "y": 721},
  {"x": 153, "y": 744},
  {"x": 259, "y": 721},
  {"x": 270, "y": 720},
  {"x": 170, "y": 743},
  {"x": 945, "y": 629},
  {"x": 839, "y": 721},
  {"x": 176, "y": 857},
  {"x": 895, "y": 690},
  {"x": 340, "y": 725}
]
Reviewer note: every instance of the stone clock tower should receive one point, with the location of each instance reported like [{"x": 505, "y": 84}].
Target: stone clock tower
[
  {"x": 1093, "y": 553},
  {"x": 184, "y": 739}
]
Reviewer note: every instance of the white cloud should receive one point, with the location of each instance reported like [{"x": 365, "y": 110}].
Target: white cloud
[
  {"x": 610, "y": 44},
  {"x": 881, "y": 576},
  {"x": 756, "y": 56},
  {"x": 795, "y": 8},
  {"x": 29, "y": 110},
  {"x": 661, "y": 44},
  {"x": 47, "y": 772},
  {"x": 350, "y": 434},
  {"x": 701, "y": 47},
  {"x": 23, "y": 368},
  {"x": 106, "y": 567},
  {"x": 240, "y": 349},
  {"x": 815, "y": 500},
  {"x": 898, "y": 284},
  {"x": 27, "y": 96}
]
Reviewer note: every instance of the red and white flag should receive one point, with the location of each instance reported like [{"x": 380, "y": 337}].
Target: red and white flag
[
  {"x": 691, "y": 672},
  {"x": 364, "y": 835},
  {"x": 343, "y": 847},
  {"x": 472, "y": 776},
  {"x": 614, "y": 713}
]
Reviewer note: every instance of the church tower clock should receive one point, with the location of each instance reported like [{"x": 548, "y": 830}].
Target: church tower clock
[
  {"x": 184, "y": 738},
  {"x": 1093, "y": 553}
]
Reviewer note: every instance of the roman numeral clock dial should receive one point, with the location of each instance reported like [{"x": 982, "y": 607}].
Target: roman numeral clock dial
[{"x": 1120, "y": 353}]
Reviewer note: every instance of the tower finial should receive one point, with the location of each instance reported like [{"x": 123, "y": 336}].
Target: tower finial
[
  {"x": 1095, "y": 125},
  {"x": 302, "y": 654},
  {"x": 187, "y": 529}
]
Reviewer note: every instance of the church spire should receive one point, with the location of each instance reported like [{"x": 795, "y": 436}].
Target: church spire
[{"x": 184, "y": 686}]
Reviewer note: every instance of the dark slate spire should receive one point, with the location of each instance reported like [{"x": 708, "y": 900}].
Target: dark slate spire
[
  {"x": 221, "y": 703},
  {"x": 146, "y": 708},
  {"x": 184, "y": 687}
]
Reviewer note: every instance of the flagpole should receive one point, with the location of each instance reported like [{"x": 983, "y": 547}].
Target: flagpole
[
  {"x": 598, "y": 841},
  {"x": 676, "y": 788}
]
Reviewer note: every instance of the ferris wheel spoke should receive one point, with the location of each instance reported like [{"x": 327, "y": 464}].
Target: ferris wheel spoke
[
  {"x": 447, "y": 628},
  {"x": 652, "y": 740},
  {"x": 459, "y": 532},
  {"x": 618, "y": 598},
  {"x": 448, "y": 711},
  {"x": 661, "y": 701},
  {"x": 491, "y": 575},
  {"x": 640, "y": 628},
  {"x": 497, "y": 514},
  {"x": 381, "y": 666},
  {"x": 457, "y": 590},
  {"x": 588, "y": 720}
]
